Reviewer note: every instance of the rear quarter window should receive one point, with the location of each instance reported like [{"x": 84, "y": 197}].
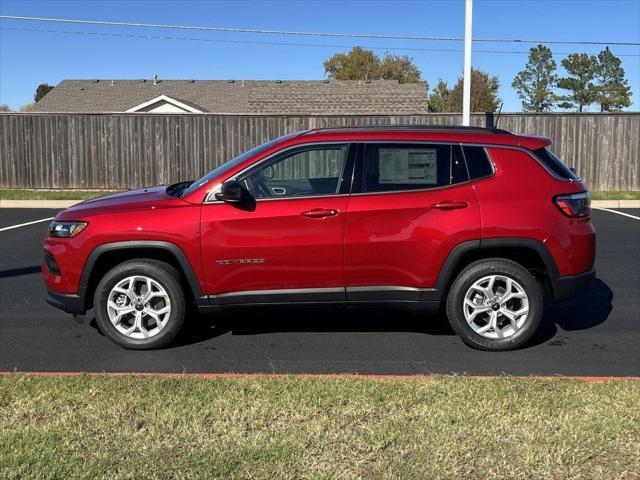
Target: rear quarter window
[
  {"x": 478, "y": 162},
  {"x": 554, "y": 164}
]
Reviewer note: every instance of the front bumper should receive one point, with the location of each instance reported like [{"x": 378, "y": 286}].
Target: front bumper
[
  {"x": 66, "y": 302},
  {"x": 571, "y": 286}
]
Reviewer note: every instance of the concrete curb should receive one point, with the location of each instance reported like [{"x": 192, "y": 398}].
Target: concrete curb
[
  {"x": 615, "y": 203},
  {"x": 321, "y": 376},
  {"x": 37, "y": 203},
  {"x": 68, "y": 203}
]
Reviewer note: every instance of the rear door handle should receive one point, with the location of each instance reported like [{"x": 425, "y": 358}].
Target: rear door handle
[
  {"x": 320, "y": 213},
  {"x": 450, "y": 205}
]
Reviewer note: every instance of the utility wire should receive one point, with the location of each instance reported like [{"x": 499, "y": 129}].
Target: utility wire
[
  {"x": 307, "y": 34},
  {"x": 258, "y": 42}
]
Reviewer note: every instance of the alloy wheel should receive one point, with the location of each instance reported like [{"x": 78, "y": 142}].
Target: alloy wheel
[
  {"x": 496, "y": 306},
  {"x": 138, "y": 307}
]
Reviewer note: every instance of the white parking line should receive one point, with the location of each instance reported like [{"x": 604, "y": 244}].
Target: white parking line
[
  {"x": 25, "y": 224},
  {"x": 619, "y": 213}
]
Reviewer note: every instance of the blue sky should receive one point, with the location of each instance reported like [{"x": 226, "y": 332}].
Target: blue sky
[{"x": 30, "y": 58}]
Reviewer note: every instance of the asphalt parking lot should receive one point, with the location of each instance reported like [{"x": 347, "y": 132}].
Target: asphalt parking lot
[{"x": 595, "y": 334}]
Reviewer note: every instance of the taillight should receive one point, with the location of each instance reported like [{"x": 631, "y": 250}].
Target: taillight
[{"x": 574, "y": 204}]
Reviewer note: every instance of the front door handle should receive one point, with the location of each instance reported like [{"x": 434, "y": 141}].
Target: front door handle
[
  {"x": 449, "y": 205},
  {"x": 320, "y": 213}
]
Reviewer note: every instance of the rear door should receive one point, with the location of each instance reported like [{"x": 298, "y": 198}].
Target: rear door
[
  {"x": 411, "y": 203},
  {"x": 290, "y": 246}
]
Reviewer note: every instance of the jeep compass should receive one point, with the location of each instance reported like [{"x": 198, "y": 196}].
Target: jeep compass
[{"x": 481, "y": 222}]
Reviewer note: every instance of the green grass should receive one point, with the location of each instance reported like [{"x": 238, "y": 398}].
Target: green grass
[
  {"x": 325, "y": 428},
  {"x": 6, "y": 194},
  {"x": 631, "y": 195}
]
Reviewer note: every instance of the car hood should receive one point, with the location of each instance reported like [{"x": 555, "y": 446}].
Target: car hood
[{"x": 141, "y": 199}]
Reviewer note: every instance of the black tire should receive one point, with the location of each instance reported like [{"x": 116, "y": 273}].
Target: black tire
[
  {"x": 163, "y": 273},
  {"x": 474, "y": 272}
]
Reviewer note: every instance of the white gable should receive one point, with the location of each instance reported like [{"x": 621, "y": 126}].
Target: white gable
[{"x": 164, "y": 104}]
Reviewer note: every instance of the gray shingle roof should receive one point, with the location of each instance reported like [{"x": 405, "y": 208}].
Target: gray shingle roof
[{"x": 249, "y": 97}]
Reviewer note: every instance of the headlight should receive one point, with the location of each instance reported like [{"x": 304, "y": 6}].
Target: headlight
[{"x": 66, "y": 229}]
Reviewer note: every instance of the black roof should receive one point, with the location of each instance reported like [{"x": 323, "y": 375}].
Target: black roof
[{"x": 413, "y": 127}]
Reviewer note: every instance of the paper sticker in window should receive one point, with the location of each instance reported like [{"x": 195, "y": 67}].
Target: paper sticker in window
[{"x": 402, "y": 166}]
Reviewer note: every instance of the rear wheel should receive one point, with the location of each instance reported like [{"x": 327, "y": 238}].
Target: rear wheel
[
  {"x": 495, "y": 304},
  {"x": 140, "y": 304}
]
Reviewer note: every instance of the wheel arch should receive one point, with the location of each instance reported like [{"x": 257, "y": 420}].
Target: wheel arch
[
  {"x": 531, "y": 254},
  {"x": 106, "y": 256}
]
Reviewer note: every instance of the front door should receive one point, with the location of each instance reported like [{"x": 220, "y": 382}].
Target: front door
[
  {"x": 290, "y": 247},
  {"x": 410, "y": 205}
]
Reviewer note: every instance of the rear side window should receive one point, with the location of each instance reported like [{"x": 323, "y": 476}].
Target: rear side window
[
  {"x": 397, "y": 167},
  {"x": 478, "y": 162},
  {"x": 554, "y": 164}
]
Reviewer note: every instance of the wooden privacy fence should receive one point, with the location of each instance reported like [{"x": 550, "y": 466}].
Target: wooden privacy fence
[{"x": 117, "y": 151}]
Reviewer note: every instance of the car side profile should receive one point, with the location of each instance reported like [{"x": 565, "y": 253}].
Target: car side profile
[{"x": 481, "y": 222}]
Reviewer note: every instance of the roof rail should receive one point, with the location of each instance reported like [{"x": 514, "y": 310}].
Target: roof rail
[{"x": 411, "y": 127}]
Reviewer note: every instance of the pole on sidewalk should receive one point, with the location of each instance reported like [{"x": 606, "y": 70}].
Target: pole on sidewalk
[{"x": 466, "y": 86}]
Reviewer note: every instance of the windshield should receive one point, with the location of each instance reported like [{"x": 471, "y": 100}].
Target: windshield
[{"x": 225, "y": 167}]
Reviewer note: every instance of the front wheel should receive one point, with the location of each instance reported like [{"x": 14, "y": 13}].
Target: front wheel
[
  {"x": 140, "y": 304},
  {"x": 495, "y": 304}
]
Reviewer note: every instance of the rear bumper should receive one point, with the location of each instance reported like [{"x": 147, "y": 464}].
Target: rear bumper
[
  {"x": 570, "y": 286},
  {"x": 66, "y": 302}
]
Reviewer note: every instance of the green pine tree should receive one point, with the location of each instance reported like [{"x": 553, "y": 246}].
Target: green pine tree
[
  {"x": 613, "y": 91},
  {"x": 535, "y": 83},
  {"x": 440, "y": 97},
  {"x": 484, "y": 93},
  {"x": 582, "y": 69}
]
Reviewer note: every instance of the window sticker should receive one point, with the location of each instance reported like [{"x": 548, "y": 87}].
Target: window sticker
[{"x": 402, "y": 165}]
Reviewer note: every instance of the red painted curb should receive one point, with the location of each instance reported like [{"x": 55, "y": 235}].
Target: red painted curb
[{"x": 330, "y": 376}]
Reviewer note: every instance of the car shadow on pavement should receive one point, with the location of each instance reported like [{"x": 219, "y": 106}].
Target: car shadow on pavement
[
  {"x": 339, "y": 318},
  {"x": 592, "y": 307},
  {"x": 589, "y": 309},
  {"x": 18, "y": 272}
]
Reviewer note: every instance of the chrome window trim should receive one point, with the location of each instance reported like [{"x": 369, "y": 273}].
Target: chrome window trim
[
  {"x": 334, "y": 195},
  {"x": 486, "y": 146}
]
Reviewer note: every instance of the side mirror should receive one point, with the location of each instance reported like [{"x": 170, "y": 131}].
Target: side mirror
[
  {"x": 573, "y": 170},
  {"x": 231, "y": 192},
  {"x": 234, "y": 193}
]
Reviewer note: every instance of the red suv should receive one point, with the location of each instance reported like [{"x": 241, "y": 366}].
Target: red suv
[{"x": 485, "y": 222}]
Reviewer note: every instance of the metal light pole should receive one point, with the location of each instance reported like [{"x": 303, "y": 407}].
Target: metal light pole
[{"x": 466, "y": 85}]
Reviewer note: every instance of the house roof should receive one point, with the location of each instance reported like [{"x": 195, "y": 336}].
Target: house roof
[{"x": 340, "y": 97}]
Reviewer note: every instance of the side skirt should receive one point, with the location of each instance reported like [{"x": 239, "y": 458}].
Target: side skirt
[{"x": 421, "y": 298}]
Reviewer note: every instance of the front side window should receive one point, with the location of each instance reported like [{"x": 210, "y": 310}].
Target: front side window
[
  {"x": 396, "y": 167},
  {"x": 225, "y": 167},
  {"x": 307, "y": 171}
]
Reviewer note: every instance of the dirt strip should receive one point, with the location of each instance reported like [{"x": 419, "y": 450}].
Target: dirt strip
[{"x": 332, "y": 376}]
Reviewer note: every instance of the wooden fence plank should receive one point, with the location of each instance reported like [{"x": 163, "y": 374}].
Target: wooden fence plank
[{"x": 133, "y": 150}]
